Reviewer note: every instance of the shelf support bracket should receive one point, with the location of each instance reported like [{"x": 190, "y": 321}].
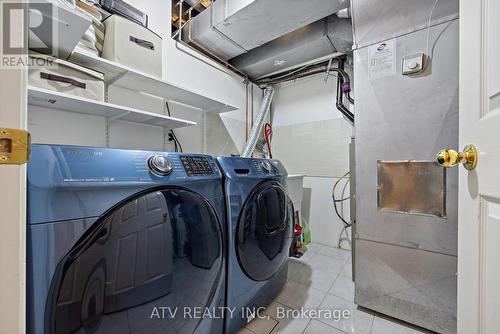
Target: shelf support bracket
[
  {"x": 106, "y": 122},
  {"x": 107, "y": 131}
]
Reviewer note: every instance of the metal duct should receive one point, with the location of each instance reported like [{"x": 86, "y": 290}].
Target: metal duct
[
  {"x": 259, "y": 122},
  {"x": 318, "y": 39},
  {"x": 233, "y": 27}
]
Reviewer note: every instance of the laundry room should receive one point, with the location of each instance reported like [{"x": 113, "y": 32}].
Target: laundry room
[{"x": 249, "y": 166}]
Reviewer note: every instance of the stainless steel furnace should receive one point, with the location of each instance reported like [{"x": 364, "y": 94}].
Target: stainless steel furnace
[{"x": 406, "y": 206}]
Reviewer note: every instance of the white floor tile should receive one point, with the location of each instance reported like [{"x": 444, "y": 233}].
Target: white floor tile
[
  {"x": 296, "y": 295},
  {"x": 338, "y": 254},
  {"x": 290, "y": 326},
  {"x": 306, "y": 257},
  {"x": 286, "y": 325},
  {"x": 314, "y": 247},
  {"x": 262, "y": 325},
  {"x": 307, "y": 275},
  {"x": 385, "y": 326},
  {"x": 343, "y": 287},
  {"x": 273, "y": 310},
  {"x": 245, "y": 331},
  {"x": 359, "y": 322},
  {"x": 323, "y": 281},
  {"x": 347, "y": 270},
  {"x": 317, "y": 327},
  {"x": 326, "y": 263},
  {"x": 308, "y": 254}
]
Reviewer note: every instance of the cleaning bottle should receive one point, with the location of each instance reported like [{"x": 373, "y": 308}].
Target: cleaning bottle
[{"x": 306, "y": 232}]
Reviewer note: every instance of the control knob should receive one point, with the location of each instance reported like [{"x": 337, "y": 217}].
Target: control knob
[
  {"x": 160, "y": 165},
  {"x": 266, "y": 166}
]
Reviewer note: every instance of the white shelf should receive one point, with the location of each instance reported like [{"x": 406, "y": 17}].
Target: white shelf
[
  {"x": 51, "y": 99},
  {"x": 134, "y": 80}
]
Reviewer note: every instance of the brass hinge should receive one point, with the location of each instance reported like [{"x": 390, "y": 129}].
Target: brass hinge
[{"x": 15, "y": 146}]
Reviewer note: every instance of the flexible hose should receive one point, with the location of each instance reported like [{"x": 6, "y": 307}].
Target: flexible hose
[
  {"x": 259, "y": 122},
  {"x": 335, "y": 201}
]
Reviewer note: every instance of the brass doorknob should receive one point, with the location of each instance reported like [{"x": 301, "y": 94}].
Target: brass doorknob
[{"x": 450, "y": 158}]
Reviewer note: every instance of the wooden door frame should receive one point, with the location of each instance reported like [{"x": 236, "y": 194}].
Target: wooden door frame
[{"x": 13, "y": 114}]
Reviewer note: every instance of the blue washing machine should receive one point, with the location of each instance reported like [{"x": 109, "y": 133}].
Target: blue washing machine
[
  {"x": 123, "y": 241},
  {"x": 260, "y": 232}
]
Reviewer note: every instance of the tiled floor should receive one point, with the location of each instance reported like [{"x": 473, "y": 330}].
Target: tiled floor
[{"x": 321, "y": 280}]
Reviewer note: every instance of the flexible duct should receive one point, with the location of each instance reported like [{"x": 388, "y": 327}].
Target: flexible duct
[{"x": 259, "y": 122}]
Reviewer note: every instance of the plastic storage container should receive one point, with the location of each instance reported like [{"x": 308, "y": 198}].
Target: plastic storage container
[
  {"x": 132, "y": 45},
  {"x": 68, "y": 78}
]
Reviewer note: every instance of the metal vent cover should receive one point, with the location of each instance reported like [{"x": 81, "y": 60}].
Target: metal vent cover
[{"x": 412, "y": 187}]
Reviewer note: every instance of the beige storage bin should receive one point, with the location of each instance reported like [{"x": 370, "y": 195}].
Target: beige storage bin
[
  {"x": 132, "y": 45},
  {"x": 68, "y": 78}
]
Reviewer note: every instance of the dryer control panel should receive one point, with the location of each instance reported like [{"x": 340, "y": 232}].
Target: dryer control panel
[
  {"x": 241, "y": 167},
  {"x": 196, "y": 165}
]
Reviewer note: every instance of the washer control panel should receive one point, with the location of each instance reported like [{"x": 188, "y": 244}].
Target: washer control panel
[
  {"x": 160, "y": 165},
  {"x": 266, "y": 166},
  {"x": 196, "y": 165}
]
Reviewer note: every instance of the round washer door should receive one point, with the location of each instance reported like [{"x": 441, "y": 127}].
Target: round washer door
[
  {"x": 157, "y": 249},
  {"x": 264, "y": 231}
]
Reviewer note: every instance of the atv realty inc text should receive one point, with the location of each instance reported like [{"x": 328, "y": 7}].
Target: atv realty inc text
[{"x": 280, "y": 312}]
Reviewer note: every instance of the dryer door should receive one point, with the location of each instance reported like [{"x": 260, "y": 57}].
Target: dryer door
[
  {"x": 139, "y": 267},
  {"x": 264, "y": 231}
]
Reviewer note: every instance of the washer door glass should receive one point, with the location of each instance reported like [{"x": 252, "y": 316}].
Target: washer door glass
[
  {"x": 150, "y": 257},
  {"x": 264, "y": 231}
]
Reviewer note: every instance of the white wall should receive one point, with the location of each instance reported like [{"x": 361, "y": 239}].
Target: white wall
[
  {"x": 319, "y": 213},
  {"x": 215, "y": 133},
  {"x": 311, "y": 137}
]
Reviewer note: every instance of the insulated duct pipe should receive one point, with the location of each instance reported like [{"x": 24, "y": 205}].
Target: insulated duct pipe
[{"x": 259, "y": 122}]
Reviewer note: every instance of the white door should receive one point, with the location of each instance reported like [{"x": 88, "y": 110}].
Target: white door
[{"x": 479, "y": 199}]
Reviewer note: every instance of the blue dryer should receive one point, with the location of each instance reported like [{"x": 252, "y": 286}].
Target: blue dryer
[
  {"x": 260, "y": 232},
  {"x": 123, "y": 241}
]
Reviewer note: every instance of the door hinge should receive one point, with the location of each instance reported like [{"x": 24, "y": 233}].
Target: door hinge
[{"x": 15, "y": 146}]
